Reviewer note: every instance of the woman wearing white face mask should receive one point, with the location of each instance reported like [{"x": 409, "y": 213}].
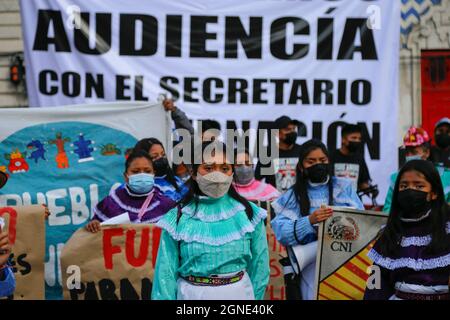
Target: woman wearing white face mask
[
  {"x": 139, "y": 198},
  {"x": 246, "y": 184},
  {"x": 215, "y": 247}
]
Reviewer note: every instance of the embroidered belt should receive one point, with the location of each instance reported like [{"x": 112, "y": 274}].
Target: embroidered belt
[
  {"x": 421, "y": 296},
  {"x": 214, "y": 280}
]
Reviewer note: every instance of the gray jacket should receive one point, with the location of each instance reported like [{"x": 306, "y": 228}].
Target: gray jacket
[{"x": 181, "y": 120}]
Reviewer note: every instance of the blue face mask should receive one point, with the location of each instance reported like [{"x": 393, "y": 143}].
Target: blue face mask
[
  {"x": 141, "y": 182},
  {"x": 416, "y": 157}
]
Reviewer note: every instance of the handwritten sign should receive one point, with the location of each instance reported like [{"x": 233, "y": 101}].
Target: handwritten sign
[
  {"x": 26, "y": 229},
  {"x": 116, "y": 263}
]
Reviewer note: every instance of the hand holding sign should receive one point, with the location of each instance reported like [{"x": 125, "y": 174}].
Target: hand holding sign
[
  {"x": 47, "y": 211},
  {"x": 321, "y": 214},
  {"x": 5, "y": 247},
  {"x": 93, "y": 226}
]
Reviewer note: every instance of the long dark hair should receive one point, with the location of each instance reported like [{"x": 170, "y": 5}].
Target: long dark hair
[
  {"x": 194, "y": 190},
  {"x": 300, "y": 187},
  {"x": 145, "y": 145},
  {"x": 391, "y": 235}
]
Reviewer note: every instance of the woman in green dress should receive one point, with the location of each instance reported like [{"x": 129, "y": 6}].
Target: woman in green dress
[{"x": 215, "y": 245}]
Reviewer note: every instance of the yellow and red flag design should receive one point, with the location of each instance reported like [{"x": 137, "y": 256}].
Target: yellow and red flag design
[{"x": 342, "y": 263}]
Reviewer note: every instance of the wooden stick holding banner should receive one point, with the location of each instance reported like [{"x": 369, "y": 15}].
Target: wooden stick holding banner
[
  {"x": 26, "y": 229},
  {"x": 342, "y": 265},
  {"x": 113, "y": 264}
]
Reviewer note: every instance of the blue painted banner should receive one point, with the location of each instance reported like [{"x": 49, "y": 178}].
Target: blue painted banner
[{"x": 69, "y": 162}]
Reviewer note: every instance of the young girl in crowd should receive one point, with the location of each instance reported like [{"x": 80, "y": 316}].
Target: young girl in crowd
[
  {"x": 215, "y": 247},
  {"x": 165, "y": 179},
  {"x": 306, "y": 203},
  {"x": 246, "y": 184},
  {"x": 138, "y": 197},
  {"x": 413, "y": 251}
]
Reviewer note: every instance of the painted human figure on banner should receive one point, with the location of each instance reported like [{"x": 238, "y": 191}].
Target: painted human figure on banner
[
  {"x": 83, "y": 149},
  {"x": 38, "y": 150},
  {"x": 61, "y": 157}
]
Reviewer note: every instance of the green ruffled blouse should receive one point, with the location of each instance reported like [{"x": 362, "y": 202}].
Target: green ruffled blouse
[{"x": 216, "y": 237}]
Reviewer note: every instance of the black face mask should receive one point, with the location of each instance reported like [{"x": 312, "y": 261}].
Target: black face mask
[
  {"x": 443, "y": 140},
  {"x": 290, "y": 138},
  {"x": 413, "y": 203},
  {"x": 318, "y": 173},
  {"x": 354, "y": 146},
  {"x": 161, "y": 166}
]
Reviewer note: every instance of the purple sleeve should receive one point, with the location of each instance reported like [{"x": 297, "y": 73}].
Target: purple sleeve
[{"x": 106, "y": 209}]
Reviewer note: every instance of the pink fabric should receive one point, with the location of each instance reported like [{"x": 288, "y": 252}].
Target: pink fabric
[
  {"x": 257, "y": 190},
  {"x": 415, "y": 137},
  {"x": 145, "y": 205}
]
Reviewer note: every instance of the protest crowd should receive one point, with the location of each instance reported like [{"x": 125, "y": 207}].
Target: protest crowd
[{"x": 213, "y": 242}]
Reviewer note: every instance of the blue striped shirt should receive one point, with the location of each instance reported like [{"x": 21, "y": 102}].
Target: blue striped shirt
[{"x": 169, "y": 190}]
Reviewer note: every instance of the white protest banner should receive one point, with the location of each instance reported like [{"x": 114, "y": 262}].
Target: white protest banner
[
  {"x": 242, "y": 63},
  {"x": 69, "y": 158}
]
